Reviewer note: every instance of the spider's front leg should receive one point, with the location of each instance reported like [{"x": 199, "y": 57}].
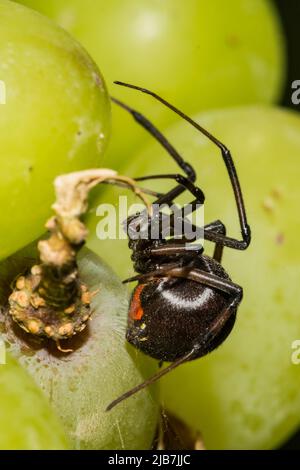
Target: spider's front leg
[{"x": 227, "y": 159}]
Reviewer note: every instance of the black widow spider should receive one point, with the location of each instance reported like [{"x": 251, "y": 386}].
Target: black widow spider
[{"x": 184, "y": 304}]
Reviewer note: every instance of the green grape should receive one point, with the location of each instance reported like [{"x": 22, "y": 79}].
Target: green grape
[
  {"x": 201, "y": 54},
  {"x": 246, "y": 393},
  {"x": 81, "y": 384},
  {"x": 27, "y": 421},
  {"x": 55, "y": 120}
]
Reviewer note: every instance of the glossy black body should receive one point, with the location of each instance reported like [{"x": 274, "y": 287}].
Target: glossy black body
[{"x": 177, "y": 314}]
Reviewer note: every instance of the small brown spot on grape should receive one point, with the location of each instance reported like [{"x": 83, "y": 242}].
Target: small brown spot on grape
[
  {"x": 277, "y": 193},
  {"x": 233, "y": 40},
  {"x": 280, "y": 238},
  {"x": 268, "y": 204},
  {"x": 97, "y": 80}
]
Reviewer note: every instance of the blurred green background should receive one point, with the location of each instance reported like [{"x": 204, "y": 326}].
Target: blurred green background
[{"x": 289, "y": 11}]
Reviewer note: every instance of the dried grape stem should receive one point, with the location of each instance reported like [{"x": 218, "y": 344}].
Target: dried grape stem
[{"x": 51, "y": 301}]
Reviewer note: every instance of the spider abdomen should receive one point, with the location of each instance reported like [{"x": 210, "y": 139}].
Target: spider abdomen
[{"x": 168, "y": 316}]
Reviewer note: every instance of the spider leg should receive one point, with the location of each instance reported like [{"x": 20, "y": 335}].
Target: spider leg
[
  {"x": 202, "y": 277},
  {"x": 172, "y": 249},
  {"x": 231, "y": 170},
  {"x": 182, "y": 180},
  {"x": 150, "y": 192},
  {"x": 187, "y": 185},
  {"x": 149, "y": 127},
  {"x": 216, "y": 227},
  {"x": 208, "y": 230},
  {"x": 151, "y": 380}
]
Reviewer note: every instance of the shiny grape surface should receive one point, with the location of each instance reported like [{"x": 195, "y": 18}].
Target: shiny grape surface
[
  {"x": 55, "y": 120},
  {"x": 200, "y": 54}
]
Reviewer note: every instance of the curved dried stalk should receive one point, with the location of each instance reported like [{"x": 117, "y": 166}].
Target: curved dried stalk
[{"x": 51, "y": 300}]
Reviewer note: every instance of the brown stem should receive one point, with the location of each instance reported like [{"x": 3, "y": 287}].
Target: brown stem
[{"x": 52, "y": 301}]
